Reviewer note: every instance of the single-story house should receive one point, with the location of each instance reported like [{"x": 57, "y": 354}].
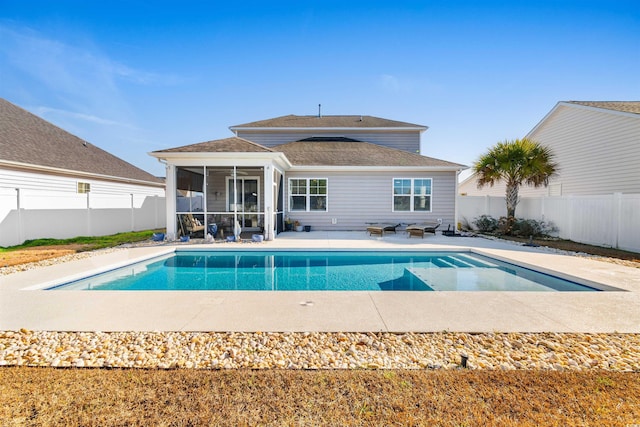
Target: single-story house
[
  {"x": 324, "y": 172},
  {"x": 49, "y": 178},
  {"x": 596, "y": 145}
]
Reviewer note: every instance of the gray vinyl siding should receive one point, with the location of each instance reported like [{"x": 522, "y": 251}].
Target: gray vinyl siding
[
  {"x": 355, "y": 198},
  {"x": 401, "y": 140},
  {"x": 598, "y": 152}
]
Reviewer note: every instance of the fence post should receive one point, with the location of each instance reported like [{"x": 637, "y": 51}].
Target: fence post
[
  {"x": 487, "y": 204},
  {"x": 571, "y": 214},
  {"x": 155, "y": 211},
  {"x": 133, "y": 213},
  {"x": 617, "y": 218},
  {"x": 19, "y": 210},
  {"x": 89, "y": 226}
]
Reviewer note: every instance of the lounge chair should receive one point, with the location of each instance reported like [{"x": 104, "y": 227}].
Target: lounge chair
[
  {"x": 420, "y": 229},
  {"x": 379, "y": 228}
]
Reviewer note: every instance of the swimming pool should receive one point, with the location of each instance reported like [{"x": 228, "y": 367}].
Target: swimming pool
[{"x": 324, "y": 271}]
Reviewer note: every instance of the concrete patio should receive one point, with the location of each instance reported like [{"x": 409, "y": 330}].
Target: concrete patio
[{"x": 23, "y": 305}]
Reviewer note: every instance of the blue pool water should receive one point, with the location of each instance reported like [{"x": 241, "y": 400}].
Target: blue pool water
[{"x": 324, "y": 271}]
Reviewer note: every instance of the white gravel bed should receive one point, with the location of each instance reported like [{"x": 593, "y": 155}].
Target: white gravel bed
[{"x": 216, "y": 350}]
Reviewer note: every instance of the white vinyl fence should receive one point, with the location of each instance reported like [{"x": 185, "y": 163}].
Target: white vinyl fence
[
  {"x": 609, "y": 220},
  {"x": 27, "y": 214}
]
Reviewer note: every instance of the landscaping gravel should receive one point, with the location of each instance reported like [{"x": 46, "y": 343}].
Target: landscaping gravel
[{"x": 216, "y": 350}]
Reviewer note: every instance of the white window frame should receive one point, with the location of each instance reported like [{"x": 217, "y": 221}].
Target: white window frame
[
  {"x": 307, "y": 195},
  {"x": 412, "y": 195}
]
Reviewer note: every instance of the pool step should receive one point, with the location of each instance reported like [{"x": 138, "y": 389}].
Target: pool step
[{"x": 421, "y": 275}]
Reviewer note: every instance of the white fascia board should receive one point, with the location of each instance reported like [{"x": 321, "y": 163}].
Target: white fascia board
[
  {"x": 376, "y": 168},
  {"x": 472, "y": 176},
  {"x": 535, "y": 128},
  {"x": 224, "y": 159},
  {"x": 80, "y": 174},
  {"x": 327, "y": 129}
]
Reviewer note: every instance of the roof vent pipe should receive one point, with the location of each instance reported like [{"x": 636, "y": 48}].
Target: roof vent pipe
[{"x": 319, "y": 111}]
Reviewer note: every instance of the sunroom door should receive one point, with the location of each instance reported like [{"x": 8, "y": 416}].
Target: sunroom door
[{"x": 245, "y": 193}]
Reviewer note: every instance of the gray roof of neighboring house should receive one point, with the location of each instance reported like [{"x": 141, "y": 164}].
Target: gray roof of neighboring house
[
  {"x": 340, "y": 153},
  {"x": 623, "y": 106},
  {"x": 227, "y": 145},
  {"x": 342, "y": 122},
  {"x": 26, "y": 138}
]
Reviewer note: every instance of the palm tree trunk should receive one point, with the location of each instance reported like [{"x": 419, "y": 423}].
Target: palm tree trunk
[{"x": 512, "y": 202}]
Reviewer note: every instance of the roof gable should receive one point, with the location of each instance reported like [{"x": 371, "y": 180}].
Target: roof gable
[
  {"x": 341, "y": 153},
  {"x": 28, "y": 139},
  {"x": 624, "y": 108},
  {"x": 226, "y": 145},
  {"x": 327, "y": 122}
]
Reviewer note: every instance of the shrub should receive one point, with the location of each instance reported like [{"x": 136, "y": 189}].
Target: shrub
[
  {"x": 463, "y": 225},
  {"x": 531, "y": 227},
  {"x": 486, "y": 223}
]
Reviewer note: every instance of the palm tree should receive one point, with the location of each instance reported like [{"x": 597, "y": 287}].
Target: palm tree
[{"x": 517, "y": 162}]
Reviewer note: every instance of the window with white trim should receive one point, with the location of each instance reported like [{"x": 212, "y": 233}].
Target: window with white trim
[
  {"x": 307, "y": 194},
  {"x": 412, "y": 194}
]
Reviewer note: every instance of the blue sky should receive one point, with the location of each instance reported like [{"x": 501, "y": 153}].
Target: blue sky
[{"x": 136, "y": 77}]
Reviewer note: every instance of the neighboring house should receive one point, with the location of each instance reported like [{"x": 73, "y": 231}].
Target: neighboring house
[
  {"x": 48, "y": 177},
  {"x": 596, "y": 146},
  {"x": 326, "y": 172}
]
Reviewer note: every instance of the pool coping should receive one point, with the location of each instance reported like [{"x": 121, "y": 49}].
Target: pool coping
[{"x": 329, "y": 311}]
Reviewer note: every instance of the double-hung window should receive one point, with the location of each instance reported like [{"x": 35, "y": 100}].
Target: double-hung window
[
  {"x": 412, "y": 194},
  {"x": 308, "y": 194}
]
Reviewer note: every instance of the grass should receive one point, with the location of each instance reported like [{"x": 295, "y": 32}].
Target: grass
[
  {"x": 75, "y": 397},
  {"x": 40, "y": 249},
  {"x": 87, "y": 243}
]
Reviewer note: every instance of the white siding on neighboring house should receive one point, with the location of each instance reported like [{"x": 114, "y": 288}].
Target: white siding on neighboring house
[
  {"x": 401, "y": 140},
  {"x": 469, "y": 187},
  {"x": 43, "y": 182},
  {"x": 355, "y": 198},
  {"x": 38, "y": 205},
  {"x": 598, "y": 151}
]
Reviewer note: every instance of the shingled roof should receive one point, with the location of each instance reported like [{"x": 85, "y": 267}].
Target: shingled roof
[
  {"x": 26, "y": 138},
  {"x": 340, "y": 153},
  {"x": 227, "y": 145},
  {"x": 314, "y": 122},
  {"x": 623, "y": 106}
]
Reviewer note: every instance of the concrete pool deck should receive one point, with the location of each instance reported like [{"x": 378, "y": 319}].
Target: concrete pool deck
[{"x": 22, "y": 305}]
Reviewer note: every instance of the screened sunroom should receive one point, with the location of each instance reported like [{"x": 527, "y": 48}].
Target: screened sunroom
[{"x": 224, "y": 193}]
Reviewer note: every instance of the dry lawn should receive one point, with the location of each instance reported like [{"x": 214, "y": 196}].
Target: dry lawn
[
  {"x": 75, "y": 397},
  {"x": 38, "y": 253}
]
